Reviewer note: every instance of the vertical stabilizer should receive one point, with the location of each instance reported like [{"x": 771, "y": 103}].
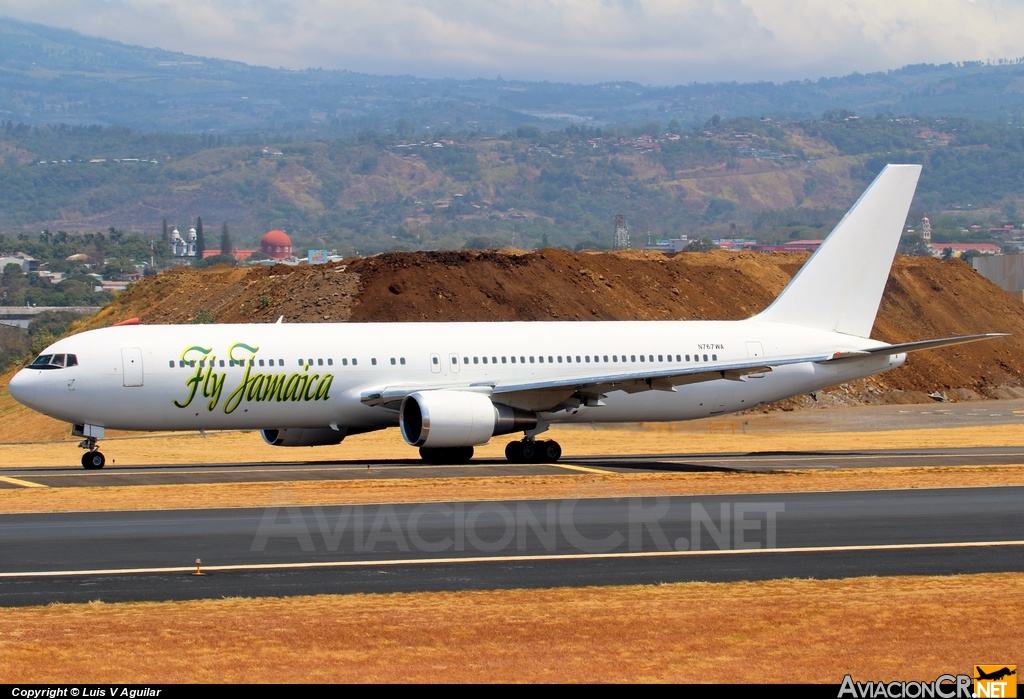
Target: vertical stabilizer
[{"x": 840, "y": 287}]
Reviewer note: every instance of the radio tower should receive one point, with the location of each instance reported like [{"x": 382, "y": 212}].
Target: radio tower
[{"x": 621, "y": 241}]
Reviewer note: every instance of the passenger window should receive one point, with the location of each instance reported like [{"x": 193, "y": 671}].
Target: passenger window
[
  {"x": 401, "y": 360},
  {"x": 330, "y": 362},
  {"x": 373, "y": 361},
  {"x": 485, "y": 360},
  {"x": 705, "y": 357},
  {"x": 714, "y": 357},
  {"x": 641, "y": 357},
  {"x": 344, "y": 361},
  {"x": 354, "y": 361},
  {"x": 171, "y": 363},
  {"x": 319, "y": 362},
  {"x": 393, "y": 361}
]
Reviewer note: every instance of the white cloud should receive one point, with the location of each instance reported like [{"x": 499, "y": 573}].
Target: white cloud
[{"x": 649, "y": 41}]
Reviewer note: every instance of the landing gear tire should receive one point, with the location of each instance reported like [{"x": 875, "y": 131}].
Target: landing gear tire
[
  {"x": 514, "y": 453},
  {"x": 549, "y": 452},
  {"x": 446, "y": 455},
  {"x": 536, "y": 452},
  {"x": 93, "y": 460}
]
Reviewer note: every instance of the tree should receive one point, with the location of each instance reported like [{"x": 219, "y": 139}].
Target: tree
[
  {"x": 701, "y": 245},
  {"x": 225, "y": 240},
  {"x": 200, "y": 241},
  {"x": 914, "y": 246}
]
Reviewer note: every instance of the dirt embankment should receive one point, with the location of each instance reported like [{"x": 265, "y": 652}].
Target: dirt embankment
[{"x": 925, "y": 298}]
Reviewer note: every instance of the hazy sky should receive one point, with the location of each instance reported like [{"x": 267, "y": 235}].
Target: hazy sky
[{"x": 664, "y": 42}]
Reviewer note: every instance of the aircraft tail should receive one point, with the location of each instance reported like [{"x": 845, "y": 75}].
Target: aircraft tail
[{"x": 840, "y": 287}]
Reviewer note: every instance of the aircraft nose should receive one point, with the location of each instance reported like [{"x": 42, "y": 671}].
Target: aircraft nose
[{"x": 21, "y": 387}]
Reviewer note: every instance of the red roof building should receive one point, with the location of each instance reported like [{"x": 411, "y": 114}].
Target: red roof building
[{"x": 277, "y": 245}]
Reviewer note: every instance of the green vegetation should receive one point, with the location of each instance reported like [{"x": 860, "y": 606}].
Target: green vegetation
[{"x": 772, "y": 180}]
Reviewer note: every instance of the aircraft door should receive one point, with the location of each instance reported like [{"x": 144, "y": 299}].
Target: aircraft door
[
  {"x": 435, "y": 363},
  {"x": 453, "y": 363},
  {"x": 131, "y": 363}
]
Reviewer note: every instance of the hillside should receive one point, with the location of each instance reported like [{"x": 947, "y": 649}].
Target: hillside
[
  {"x": 50, "y": 75},
  {"x": 527, "y": 189},
  {"x": 925, "y": 298}
]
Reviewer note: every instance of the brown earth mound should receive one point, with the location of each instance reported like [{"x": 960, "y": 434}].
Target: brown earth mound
[{"x": 925, "y": 298}]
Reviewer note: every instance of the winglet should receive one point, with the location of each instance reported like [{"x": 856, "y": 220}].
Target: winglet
[{"x": 840, "y": 287}]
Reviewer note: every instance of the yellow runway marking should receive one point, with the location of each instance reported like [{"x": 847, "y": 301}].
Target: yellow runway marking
[
  {"x": 507, "y": 559},
  {"x": 25, "y": 484},
  {"x": 584, "y": 469}
]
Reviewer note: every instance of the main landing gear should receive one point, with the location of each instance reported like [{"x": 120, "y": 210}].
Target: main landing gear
[
  {"x": 92, "y": 459},
  {"x": 530, "y": 451}
]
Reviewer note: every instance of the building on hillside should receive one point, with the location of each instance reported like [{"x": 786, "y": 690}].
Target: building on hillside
[
  {"x": 958, "y": 249},
  {"x": 276, "y": 244},
  {"x": 27, "y": 263},
  {"x": 181, "y": 247},
  {"x": 240, "y": 255},
  {"x": 669, "y": 245},
  {"x": 791, "y": 246}
]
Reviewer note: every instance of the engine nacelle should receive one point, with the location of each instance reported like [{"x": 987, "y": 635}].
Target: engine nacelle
[
  {"x": 302, "y": 436},
  {"x": 458, "y": 419}
]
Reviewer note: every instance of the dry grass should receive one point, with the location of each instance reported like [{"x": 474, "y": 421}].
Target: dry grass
[{"x": 778, "y": 631}]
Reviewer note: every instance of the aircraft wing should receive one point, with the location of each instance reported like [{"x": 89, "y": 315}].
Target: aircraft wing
[
  {"x": 590, "y": 388},
  {"x": 595, "y": 384}
]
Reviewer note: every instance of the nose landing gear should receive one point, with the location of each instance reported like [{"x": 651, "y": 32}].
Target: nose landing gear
[{"x": 92, "y": 459}]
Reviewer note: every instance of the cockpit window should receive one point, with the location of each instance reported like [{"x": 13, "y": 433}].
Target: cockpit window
[{"x": 54, "y": 361}]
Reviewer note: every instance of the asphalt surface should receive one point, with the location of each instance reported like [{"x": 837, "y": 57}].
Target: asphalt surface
[
  {"x": 275, "y": 551},
  {"x": 167, "y": 474}
]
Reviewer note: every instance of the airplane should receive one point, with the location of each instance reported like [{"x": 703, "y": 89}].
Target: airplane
[
  {"x": 450, "y": 387},
  {"x": 995, "y": 675}
]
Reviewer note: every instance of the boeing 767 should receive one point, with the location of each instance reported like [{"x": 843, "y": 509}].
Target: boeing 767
[{"x": 452, "y": 386}]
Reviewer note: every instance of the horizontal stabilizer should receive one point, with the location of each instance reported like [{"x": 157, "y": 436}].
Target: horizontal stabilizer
[{"x": 912, "y": 346}]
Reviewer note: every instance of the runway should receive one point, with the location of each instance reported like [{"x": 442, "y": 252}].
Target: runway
[
  {"x": 119, "y": 556},
  {"x": 167, "y": 474}
]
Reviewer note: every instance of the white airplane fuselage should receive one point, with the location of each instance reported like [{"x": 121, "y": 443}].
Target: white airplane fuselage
[{"x": 192, "y": 377}]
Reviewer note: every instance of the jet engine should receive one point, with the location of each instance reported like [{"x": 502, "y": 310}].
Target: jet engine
[
  {"x": 302, "y": 436},
  {"x": 435, "y": 419}
]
